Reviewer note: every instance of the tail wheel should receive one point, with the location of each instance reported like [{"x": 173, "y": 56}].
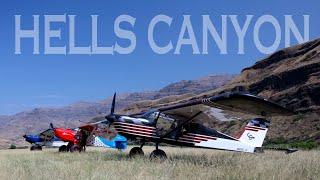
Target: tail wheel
[
  {"x": 135, "y": 152},
  {"x": 63, "y": 148},
  {"x": 158, "y": 154}
]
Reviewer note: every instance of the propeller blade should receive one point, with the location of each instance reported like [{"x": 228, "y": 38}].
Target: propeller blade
[
  {"x": 110, "y": 117},
  {"x": 51, "y": 126},
  {"x": 113, "y": 104}
]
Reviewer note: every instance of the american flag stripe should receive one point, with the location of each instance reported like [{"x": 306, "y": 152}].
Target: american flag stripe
[
  {"x": 137, "y": 134},
  {"x": 135, "y": 131},
  {"x": 197, "y": 138},
  {"x": 185, "y": 141},
  {"x": 135, "y": 128},
  {"x": 203, "y": 136},
  {"x": 134, "y": 125},
  {"x": 189, "y": 139}
]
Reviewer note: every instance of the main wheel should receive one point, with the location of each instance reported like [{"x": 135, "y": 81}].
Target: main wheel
[
  {"x": 35, "y": 148},
  {"x": 39, "y": 148},
  {"x": 32, "y": 148},
  {"x": 63, "y": 148},
  {"x": 75, "y": 148},
  {"x": 158, "y": 154},
  {"x": 135, "y": 152}
]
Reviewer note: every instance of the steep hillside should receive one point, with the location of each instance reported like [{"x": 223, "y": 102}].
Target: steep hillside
[{"x": 290, "y": 77}]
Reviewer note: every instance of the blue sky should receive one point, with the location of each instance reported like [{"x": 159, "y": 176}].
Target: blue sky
[{"x": 29, "y": 81}]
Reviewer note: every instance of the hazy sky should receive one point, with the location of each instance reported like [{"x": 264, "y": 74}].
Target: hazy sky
[{"x": 29, "y": 80}]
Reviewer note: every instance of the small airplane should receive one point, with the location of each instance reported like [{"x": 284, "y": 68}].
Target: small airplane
[
  {"x": 45, "y": 138},
  {"x": 182, "y": 124},
  {"x": 89, "y": 135}
]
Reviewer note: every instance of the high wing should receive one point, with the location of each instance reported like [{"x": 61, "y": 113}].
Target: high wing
[
  {"x": 226, "y": 106},
  {"x": 47, "y": 135}
]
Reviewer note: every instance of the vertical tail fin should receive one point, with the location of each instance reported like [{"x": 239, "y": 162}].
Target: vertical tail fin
[{"x": 255, "y": 132}]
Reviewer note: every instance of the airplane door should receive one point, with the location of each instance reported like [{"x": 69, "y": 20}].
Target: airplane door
[{"x": 165, "y": 124}]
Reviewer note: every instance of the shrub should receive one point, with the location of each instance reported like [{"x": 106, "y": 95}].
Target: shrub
[
  {"x": 12, "y": 146},
  {"x": 304, "y": 144}
]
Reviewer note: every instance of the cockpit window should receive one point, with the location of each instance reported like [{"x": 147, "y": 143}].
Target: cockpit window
[
  {"x": 165, "y": 124},
  {"x": 150, "y": 115}
]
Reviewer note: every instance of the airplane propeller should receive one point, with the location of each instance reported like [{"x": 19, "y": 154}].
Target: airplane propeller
[
  {"x": 111, "y": 117},
  {"x": 51, "y": 126}
]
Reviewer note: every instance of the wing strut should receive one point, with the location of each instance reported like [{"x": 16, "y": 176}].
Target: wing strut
[{"x": 181, "y": 125}]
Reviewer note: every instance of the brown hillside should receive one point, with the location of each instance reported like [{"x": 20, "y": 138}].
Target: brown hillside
[{"x": 290, "y": 77}]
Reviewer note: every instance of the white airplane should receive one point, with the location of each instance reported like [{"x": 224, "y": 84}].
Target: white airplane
[{"x": 182, "y": 124}]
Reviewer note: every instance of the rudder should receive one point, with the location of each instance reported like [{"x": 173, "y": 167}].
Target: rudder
[{"x": 255, "y": 132}]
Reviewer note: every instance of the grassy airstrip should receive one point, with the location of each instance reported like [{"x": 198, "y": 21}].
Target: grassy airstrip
[{"x": 183, "y": 163}]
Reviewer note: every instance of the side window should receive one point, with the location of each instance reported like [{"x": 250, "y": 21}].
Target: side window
[
  {"x": 153, "y": 116},
  {"x": 165, "y": 124}
]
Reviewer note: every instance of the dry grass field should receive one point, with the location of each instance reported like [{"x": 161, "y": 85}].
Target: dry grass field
[{"x": 183, "y": 163}]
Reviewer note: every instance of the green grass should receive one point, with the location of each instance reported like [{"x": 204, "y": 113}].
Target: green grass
[
  {"x": 283, "y": 143},
  {"x": 183, "y": 163}
]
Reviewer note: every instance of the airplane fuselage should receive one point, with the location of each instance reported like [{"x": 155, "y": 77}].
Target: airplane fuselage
[
  {"x": 36, "y": 140},
  {"x": 142, "y": 129}
]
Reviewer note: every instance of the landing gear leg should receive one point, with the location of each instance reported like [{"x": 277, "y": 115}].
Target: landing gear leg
[
  {"x": 142, "y": 144},
  {"x": 158, "y": 154}
]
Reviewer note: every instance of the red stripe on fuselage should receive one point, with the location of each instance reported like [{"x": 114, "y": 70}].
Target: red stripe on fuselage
[
  {"x": 135, "y": 131},
  {"x": 194, "y": 137},
  {"x": 255, "y": 127},
  {"x": 135, "y": 125},
  {"x": 189, "y": 139},
  {"x": 251, "y": 129},
  {"x": 202, "y": 136},
  {"x": 136, "y": 134},
  {"x": 135, "y": 128}
]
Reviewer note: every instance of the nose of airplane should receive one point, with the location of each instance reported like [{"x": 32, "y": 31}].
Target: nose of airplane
[
  {"x": 111, "y": 118},
  {"x": 58, "y": 130}
]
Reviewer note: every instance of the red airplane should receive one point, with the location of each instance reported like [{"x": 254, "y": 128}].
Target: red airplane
[
  {"x": 96, "y": 134},
  {"x": 71, "y": 136}
]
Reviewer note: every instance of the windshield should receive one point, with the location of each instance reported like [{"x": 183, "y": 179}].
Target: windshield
[
  {"x": 154, "y": 114},
  {"x": 150, "y": 115}
]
